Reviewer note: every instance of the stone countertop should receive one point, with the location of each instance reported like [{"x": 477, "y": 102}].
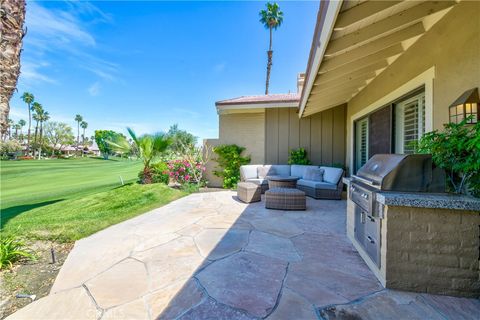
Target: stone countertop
[{"x": 426, "y": 200}]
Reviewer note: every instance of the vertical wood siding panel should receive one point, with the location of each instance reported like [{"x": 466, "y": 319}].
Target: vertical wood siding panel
[
  {"x": 339, "y": 135},
  {"x": 294, "y": 136},
  {"x": 305, "y": 133},
  {"x": 315, "y": 154},
  {"x": 283, "y": 133},
  {"x": 327, "y": 137}
]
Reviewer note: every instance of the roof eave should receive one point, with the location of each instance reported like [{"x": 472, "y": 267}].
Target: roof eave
[
  {"x": 327, "y": 15},
  {"x": 257, "y": 105}
]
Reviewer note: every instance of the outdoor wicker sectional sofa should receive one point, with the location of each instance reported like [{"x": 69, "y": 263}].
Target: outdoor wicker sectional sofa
[{"x": 329, "y": 188}]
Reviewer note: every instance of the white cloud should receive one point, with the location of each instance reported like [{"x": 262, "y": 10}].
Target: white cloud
[
  {"x": 94, "y": 89},
  {"x": 31, "y": 72},
  {"x": 65, "y": 31},
  {"x": 55, "y": 26}
]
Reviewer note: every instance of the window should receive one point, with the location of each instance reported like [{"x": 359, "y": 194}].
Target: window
[
  {"x": 361, "y": 143},
  {"x": 409, "y": 123}
]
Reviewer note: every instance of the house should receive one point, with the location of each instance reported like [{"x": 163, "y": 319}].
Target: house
[{"x": 379, "y": 75}]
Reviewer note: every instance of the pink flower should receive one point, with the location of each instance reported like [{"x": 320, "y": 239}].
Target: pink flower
[{"x": 187, "y": 177}]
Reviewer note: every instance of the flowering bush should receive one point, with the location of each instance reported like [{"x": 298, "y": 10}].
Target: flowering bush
[{"x": 184, "y": 172}]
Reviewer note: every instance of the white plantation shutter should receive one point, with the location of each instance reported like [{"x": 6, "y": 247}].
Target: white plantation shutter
[
  {"x": 410, "y": 123},
  {"x": 361, "y": 145}
]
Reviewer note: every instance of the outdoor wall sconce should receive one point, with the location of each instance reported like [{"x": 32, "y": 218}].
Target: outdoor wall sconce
[{"x": 466, "y": 105}]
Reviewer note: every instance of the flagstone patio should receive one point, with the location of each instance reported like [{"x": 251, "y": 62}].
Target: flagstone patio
[{"x": 209, "y": 256}]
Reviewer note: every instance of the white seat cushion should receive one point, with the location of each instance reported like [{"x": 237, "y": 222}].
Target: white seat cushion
[
  {"x": 249, "y": 171},
  {"x": 281, "y": 170},
  {"x": 317, "y": 184},
  {"x": 298, "y": 170},
  {"x": 314, "y": 174},
  {"x": 332, "y": 175}
]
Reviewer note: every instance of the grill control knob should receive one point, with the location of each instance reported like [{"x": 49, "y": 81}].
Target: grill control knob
[{"x": 364, "y": 195}]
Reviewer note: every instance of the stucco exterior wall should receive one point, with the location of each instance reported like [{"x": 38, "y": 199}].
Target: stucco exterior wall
[
  {"x": 246, "y": 130},
  {"x": 243, "y": 129},
  {"x": 322, "y": 135},
  {"x": 452, "y": 47}
]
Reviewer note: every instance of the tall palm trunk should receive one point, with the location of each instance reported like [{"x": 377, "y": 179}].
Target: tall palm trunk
[
  {"x": 78, "y": 134},
  {"x": 269, "y": 63},
  {"x": 12, "y": 16},
  {"x": 35, "y": 139},
  {"x": 29, "y": 128},
  {"x": 40, "y": 140}
]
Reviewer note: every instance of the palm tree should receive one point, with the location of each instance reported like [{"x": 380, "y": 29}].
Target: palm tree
[
  {"x": 17, "y": 127},
  {"x": 10, "y": 126},
  {"x": 37, "y": 109},
  {"x": 84, "y": 126},
  {"x": 271, "y": 18},
  {"x": 149, "y": 146},
  {"x": 12, "y": 17},
  {"x": 78, "y": 119},
  {"x": 22, "y": 124},
  {"x": 43, "y": 116},
  {"x": 28, "y": 98}
]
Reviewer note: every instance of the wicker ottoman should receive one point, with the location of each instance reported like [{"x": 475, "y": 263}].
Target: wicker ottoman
[
  {"x": 285, "y": 199},
  {"x": 249, "y": 192}
]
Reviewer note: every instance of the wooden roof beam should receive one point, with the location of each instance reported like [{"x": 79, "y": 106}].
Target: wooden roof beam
[
  {"x": 381, "y": 43},
  {"x": 352, "y": 84},
  {"x": 327, "y": 99},
  {"x": 340, "y": 65},
  {"x": 325, "y": 78},
  {"x": 319, "y": 108},
  {"x": 362, "y": 11},
  {"x": 386, "y": 26}
]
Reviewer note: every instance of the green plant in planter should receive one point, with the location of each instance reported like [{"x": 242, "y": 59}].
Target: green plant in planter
[
  {"x": 298, "y": 156},
  {"x": 229, "y": 161},
  {"x": 457, "y": 150}
]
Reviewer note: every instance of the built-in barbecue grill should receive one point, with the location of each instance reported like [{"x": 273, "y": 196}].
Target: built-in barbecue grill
[{"x": 387, "y": 172}]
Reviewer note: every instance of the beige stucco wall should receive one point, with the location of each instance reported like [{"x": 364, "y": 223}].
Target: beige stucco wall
[
  {"x": 322, "y": 135},
  {"x": 452, "y": 47},
  {"x": 246, "y": 130},
  {"x": 243, "y": 129}
]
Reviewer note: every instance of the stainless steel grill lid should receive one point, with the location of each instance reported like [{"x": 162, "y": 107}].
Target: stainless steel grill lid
[{"x": 398, "y": 172}]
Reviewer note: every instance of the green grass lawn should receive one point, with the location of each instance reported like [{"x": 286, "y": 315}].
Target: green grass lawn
[{"x": 66, "y": 200}]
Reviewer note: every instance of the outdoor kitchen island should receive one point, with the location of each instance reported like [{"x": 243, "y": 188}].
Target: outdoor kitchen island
[{"x": 427, "y": 242}]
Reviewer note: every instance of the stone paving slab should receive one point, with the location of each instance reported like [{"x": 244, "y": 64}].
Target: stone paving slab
[{"x": 210, "y": 256}]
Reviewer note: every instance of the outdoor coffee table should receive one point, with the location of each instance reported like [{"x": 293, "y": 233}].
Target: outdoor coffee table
[{"x": 282, "y": 182}]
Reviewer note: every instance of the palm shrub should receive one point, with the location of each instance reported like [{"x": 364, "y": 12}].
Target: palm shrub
[
  {"x": 159, "y": 173},
  {"x": 150, "y": 147},
  {"x": 12, "y": 250},
  {"x": 229, "y": 161},
  {"x": 456, "y": 149},
  {"x": 298, "y": 156}
]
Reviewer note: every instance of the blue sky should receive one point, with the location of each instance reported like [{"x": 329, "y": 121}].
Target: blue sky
[{"x": 148, "y": 65}]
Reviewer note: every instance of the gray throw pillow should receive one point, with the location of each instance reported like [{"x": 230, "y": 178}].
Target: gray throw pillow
[
  {"x": 264, "y": 171},
  {"x": 313, "y": 174}
]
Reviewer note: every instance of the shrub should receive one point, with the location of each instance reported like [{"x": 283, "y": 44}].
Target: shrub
[
  {"x": 457, "y": 150},
  {"x": 298, "y": 156},
  {"x": 158, "y": 173},
  {"x": 229, "y": 161},
  {"x": 183, "y": 172},
  {"x": 9, "y": 147},
  {"x": 12, "y": 250}
]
